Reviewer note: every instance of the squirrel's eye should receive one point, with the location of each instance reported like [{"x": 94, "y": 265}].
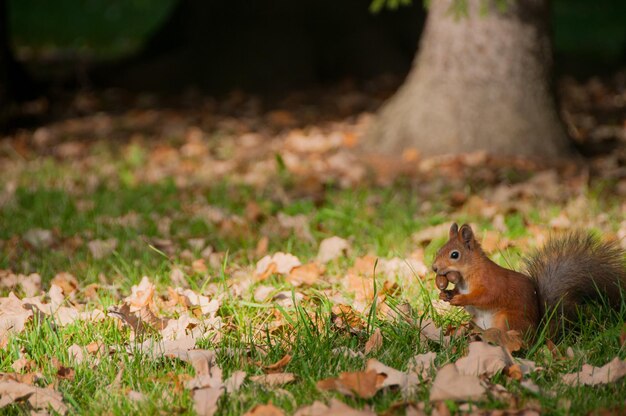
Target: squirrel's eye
[{"x": 455, "y": 254}]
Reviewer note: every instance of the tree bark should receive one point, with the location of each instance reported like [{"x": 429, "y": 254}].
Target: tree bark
[{"x": 479, "y": 82}]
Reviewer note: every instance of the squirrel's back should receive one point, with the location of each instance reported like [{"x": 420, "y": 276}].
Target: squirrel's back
[{"x": 577, "y": 267}]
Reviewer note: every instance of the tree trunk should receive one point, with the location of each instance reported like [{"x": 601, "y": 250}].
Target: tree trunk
[{"x": 479, "y": 82}]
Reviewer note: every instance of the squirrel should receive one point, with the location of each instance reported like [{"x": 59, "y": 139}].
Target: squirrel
[{"x": 561, "y": 276}]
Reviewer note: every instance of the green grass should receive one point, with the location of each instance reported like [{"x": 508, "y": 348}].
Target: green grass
[{"x": 377, "y": 220}]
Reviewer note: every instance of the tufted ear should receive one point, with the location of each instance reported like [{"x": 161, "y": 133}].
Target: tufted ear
[
  {"x": 454, "y": 230},
  {"x": 467, "y": 236}
]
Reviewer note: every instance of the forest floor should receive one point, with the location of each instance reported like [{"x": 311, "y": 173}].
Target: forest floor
[{"x": 226, "y": 257}]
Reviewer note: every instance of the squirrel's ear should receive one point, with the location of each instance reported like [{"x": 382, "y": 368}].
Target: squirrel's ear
[
  {"x": 467, "y": 235},
  {"x": 454, "y": 230}
]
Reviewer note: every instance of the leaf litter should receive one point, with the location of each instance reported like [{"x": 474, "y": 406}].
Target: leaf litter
[{"x": 314, "y": 159}]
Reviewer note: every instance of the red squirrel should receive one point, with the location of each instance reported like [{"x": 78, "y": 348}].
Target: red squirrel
[{"x": 559, "y": 277}]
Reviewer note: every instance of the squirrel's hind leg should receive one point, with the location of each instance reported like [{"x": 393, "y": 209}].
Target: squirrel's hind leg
[{"x": 511, "y": 321}]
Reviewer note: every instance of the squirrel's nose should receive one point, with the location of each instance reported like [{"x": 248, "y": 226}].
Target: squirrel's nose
[{"x": 435, "y": 268}]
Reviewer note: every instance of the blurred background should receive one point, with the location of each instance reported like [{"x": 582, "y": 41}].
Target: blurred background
[{"x": 262, "y": 45}]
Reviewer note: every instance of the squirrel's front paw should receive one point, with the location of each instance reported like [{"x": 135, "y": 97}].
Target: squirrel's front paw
[{"x": 457, "y": 300}]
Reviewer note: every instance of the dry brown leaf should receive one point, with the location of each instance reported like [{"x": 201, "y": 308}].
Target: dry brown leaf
[
  {"x": 307, "y": 274},
  {"x": 428, "y": 331},
  {"x": 426, "y": 235},
  {"x": 449, "y": 384},
  {"x": 273, "y": 380},
  {"x": 140, "y": 321},
  {"x": 206, "y": 305},
  {"x": 155, "y": 348},
  {"x": 66, "y": 373},
  {"x": 205, "y": 400},
  {"x": 278, "y": 366},
  {"x": 264, "y": 410},
  {"x": 39, "y": 398},
  {"x": 347, "y": 352},
  {"x": 142, "y": 295},
  {"x": 493, "y": 241},
  {"x": 234, "y": 382},
  {"x": 200, "y": 360},
  {"x": 39, "y": 238},
  {"x": 262, "y": 292},
  {"x": 363, "y": 384},
  {"x": 345, "y": 317},
  {"x": 332, "y": 248},
  {"x": 76, "y": 354},
  {"x": 13, "y": 316},
  {"x": 280, "y": 263},
  {"x": 483, "y": 359},
  {"x": 515, "y": 372},
  {"x": 407, "y": 382},
  {"x": 511, "y": 340},
  {"x": 102, "y": 248},
  {"x": 363, "y": 265},
  {"x": 136, "y": 396},
  {"x": 199, "y": 266},
  {"x": 262, "y": 246},
  {"x": 422, "y": 364},
  {"x": 22, "y": 363},
  {"x": 375, "y": 342},
  {"x": 335, "y": 408},
  {"x": 591, "y": 376},
  {"x": 403, "y": 268},
  {"x": 66, "y": 281}
]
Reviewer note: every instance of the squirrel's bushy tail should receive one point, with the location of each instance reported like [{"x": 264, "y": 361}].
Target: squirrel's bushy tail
[{"x": 577, "y": 267}]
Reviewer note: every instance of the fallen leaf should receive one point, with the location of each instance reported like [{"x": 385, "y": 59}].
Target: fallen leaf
[
  {"x": 39, "y": 238},
  {"x": 407, "y": 382},
  {"x": 515, "y": 372},
  {"x": 39, "y": 398},
  {"x": 363, "y": 384},
  {"x": 332, "y": 248},
  {"x": 307, "y": 274},
  {"x": 155, "y": 348},
  {"x": 205, "y": 400},
  {"x": 347, "y": 352},
  {"x": 76, "y": 354},
  {"x": 102, "y": 248},
  {"x": 336, "y": 408},
  {"x": 402, "y": 268},
  {"x": 591, "y": 376},
  {"x": 428, "y": 331},
  {"x": 234, "y": 382},
  {"x": 450, "y": 384},
  {"x": 483, "y": 359},
  {"x": 200, "y": 360},
  {"x": 422, "y": 364},
  {"x": 135, "y": 396},
  {"x": 262, "y": 292},
  {"x": 280, "y": 263},
  {"x": 13, "y": 316},
  {"x": 142, "y": 295},
  {"x": 272, "y": 380},
  {"x": 493, "y": 241},
  {"x": 66, "y": 281},
  {"x": 279, "y": 365},
  {"x": 264, "y": 410},
  {"x": 426, "y": 235},
  {"x": 344, "y": 316},
  {"x": 375, "y": 342},
  {"x": 139, "y": 321}
]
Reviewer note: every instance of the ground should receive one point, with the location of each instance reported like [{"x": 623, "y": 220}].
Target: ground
[{"x": 198, "y": 195}]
